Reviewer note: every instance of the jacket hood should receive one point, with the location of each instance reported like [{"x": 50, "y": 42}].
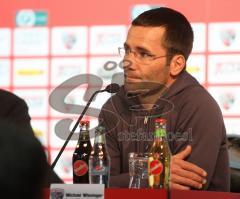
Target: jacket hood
[{"x": 184, "y": 81}]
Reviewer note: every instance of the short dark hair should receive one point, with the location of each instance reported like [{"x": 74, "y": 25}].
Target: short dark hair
[{"x": 179, "y": 34}]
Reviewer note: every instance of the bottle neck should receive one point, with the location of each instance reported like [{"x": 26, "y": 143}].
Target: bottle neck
[
  {"x": 84, "y": 134},
  {"x": 100, "y": 139},
  {"x": 84, "y": 137},
  {"x": 160, "y": 133},
  {"x": 100, "y": 148}
]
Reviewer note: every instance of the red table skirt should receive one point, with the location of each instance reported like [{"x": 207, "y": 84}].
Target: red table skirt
[{"x": 161, "y": 194}]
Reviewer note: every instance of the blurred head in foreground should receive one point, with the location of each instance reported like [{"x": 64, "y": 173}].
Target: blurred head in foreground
[{"x": 23, "y": 163}]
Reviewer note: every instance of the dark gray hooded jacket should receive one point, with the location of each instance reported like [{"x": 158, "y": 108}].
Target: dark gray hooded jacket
[{"x": 193, "y": 118}]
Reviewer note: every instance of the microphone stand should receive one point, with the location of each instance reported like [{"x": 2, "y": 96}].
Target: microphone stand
[{"x": 74, "y": 128}]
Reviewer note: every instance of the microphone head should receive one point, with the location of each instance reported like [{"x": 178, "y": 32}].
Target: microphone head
[{"x": 112, "y": 88}]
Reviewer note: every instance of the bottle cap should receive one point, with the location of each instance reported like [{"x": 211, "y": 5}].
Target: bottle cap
[
  {"x": 85, "y": 122},
  {"x": 100, "y": 129},
  {"x": 161, "y": 120}
]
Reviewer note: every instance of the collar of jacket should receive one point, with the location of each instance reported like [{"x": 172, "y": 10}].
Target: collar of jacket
[{"x": 163, "y": 105}]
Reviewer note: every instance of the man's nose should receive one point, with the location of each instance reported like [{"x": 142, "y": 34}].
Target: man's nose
[
  {"x": 126, "y": 63},
  {"x": 129, "y": 62}
]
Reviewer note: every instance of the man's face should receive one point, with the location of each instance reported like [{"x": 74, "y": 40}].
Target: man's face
[{"x": 145, "y": 67}]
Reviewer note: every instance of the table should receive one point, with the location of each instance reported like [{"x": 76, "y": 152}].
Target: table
[{"x": 112, "y": 193}]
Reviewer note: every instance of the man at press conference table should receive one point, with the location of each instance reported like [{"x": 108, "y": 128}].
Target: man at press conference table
[{"x": 156, "y": 83}]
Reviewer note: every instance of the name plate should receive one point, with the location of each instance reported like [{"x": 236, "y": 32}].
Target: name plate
[{"x": 77, "y": 191}]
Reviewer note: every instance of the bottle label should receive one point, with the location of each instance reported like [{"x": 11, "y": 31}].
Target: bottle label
[
  {"x": 80, "y": 168},
  {"x": 99, "y": 170},
  {"x": 156, "y": 167},
  {"x": 160, "y": 132}
]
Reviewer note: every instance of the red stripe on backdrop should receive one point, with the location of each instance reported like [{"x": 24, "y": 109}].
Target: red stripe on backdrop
[{"x": 106, "y": 12}]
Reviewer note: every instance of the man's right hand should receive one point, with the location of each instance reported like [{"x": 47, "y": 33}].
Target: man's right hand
[{"x": 185, "y": 175}]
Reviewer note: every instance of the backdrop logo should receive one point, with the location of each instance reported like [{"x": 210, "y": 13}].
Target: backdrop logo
[
  {"x": 229, "y": 67},
  {"x": 227, "y": 100},
  {"x": 30, "y": 72},
  {"x": 66, "y": 70},
  {"x": 31, "y": 18},
  {"x": 110, "y": 70},
  {"x": 69, "y": 40},
  {"x": 38, "y": 133},
  {"x": 140, "y": 8},
  {"x": 193, "y": 69},
  {"x": 57, "y": 193},
  {"x": 228, "y": 36},
  {"x": 66, "y": 165},
  {"x": 35, "y": 101},
  {"x": 107, "y": 39},
  {"x": 57, "y": 99}
]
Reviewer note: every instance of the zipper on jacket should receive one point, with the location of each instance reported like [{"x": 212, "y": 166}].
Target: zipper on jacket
[
  {"x": 145, "y": 120},
  {"x": 146, "y": 130}
]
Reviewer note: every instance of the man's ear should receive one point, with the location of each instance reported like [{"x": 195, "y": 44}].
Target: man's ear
[{"x": 177, "y": 64}]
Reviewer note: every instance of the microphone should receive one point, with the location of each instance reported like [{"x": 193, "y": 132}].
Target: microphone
[{"x": 111, "y": 88}]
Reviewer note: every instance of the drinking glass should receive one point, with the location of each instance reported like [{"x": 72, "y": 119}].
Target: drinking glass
[{"x": 138, "y": 170}]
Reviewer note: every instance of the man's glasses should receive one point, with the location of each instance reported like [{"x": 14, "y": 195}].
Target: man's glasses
[{"x": 141, "y": 56}]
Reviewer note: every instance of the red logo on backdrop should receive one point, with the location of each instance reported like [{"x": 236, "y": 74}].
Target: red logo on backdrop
[
  {"x": 227, "y": 100},
  {"x": 228, "y": 36},
  {"x": 69, "y": 40},
  {"x": 80, "y": 168},
  {"x": 156, "y": 167}
]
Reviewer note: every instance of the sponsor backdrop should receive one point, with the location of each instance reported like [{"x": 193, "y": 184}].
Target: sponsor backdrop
[{"x": 44, "y": 43}]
